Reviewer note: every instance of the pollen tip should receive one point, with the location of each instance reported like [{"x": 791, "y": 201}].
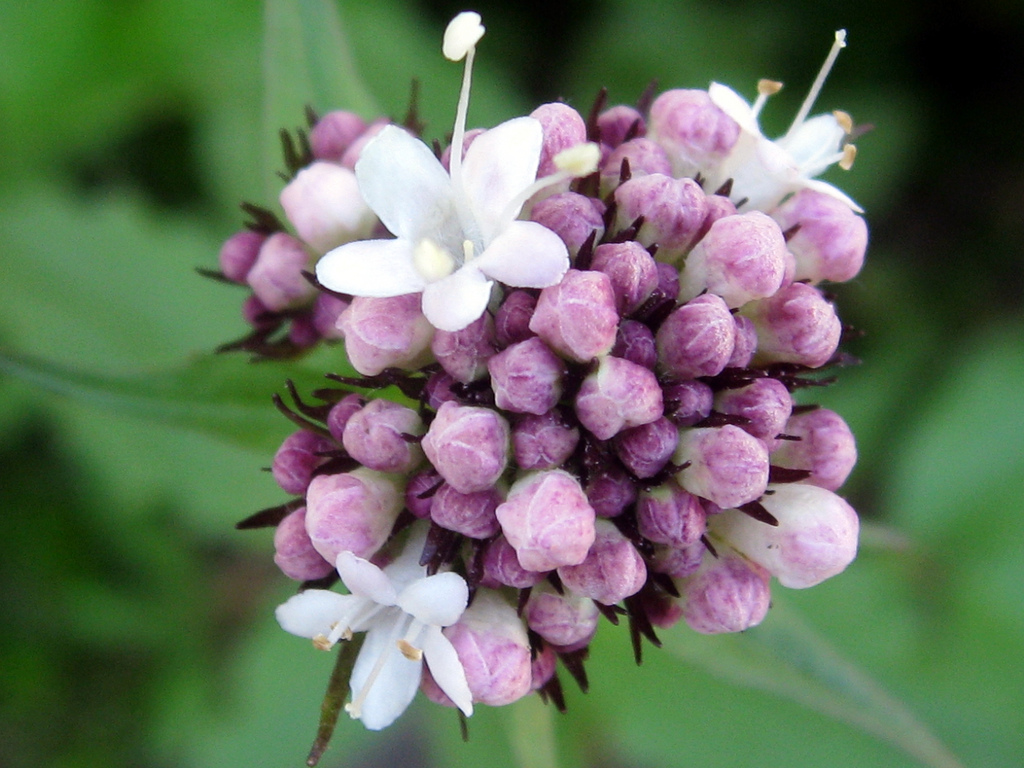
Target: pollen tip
[
  {"x": 841, "y": 37},
  {"x": 462, "y": 34},
  {"x": 411, "y": 652},
  {"x": 844, "y": 120},
  {"x": 768, "y": 87},
  {"x": 580, "y": 160},
  {"x": 849, "y": 154},
  {"x": 321, "y": 643}
]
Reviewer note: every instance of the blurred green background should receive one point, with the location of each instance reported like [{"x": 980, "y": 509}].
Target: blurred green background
[{"x": 136, "y": 626}]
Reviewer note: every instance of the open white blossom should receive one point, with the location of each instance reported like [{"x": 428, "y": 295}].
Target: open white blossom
[
  {"x": 402, "y": 611},
  {"x": 765, "y": 171},
  {"x": 455, "y": 232}
]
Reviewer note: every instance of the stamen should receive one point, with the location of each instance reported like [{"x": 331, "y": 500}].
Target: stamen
[
  {"x": 819, "y": 81},
  {"x": 411, "y": 652},
  {"x": 468, "y": 251},
  {"x": 432, "y": 261},
  {"x": 460, "y": 39},
  {"x": 765, "y": 88},
  {"x": 844, "y": 120},
  {"x": 355, "y": 707},
  {"x": 849, "y": 154},
  {"x": 572, "y": 163}
]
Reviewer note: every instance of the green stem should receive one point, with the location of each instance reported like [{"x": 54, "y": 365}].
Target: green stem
[{"x": 532, "y": 733}]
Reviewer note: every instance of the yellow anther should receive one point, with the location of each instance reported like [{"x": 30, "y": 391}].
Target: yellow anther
[
  {"x": 432, "y": 261},
  {"x": 580, "y": 160},
  {"x": 849, "y": 153},
  {"x": 321, "y": 643},
  {"x": 768, "y": 87},
  {"x": 411, "y": 652},
  {"x": 844, "y": 120}
]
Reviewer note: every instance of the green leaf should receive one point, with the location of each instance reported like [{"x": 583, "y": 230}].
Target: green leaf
[
  {"x": 306, "y": 62},
  {"x": 787, "y": 657}
]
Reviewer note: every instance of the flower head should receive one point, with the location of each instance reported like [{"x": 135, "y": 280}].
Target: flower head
[{"x": 401, "y": 609}]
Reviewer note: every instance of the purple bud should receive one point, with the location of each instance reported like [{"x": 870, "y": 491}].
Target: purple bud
[
  {"x": 741, "y": 258},
  {"x": 386, "y": 333},
  {"x": 615, "y": 123},
  {"x": 544, "y": 441},
  {"x": 697, "y": 339},
  {"x": 825, "y": 448},
  {"x": 464, "y": 354},
  {"x": 727, "y": 465},
  {"x": 678, "y": 562},
  {"x": 610, "y": 491},
  {"x": 351, "y": 512},
  {"x": 670, "y": 515},
  {"x": 325, "y": 206},
  {"x": 296, "y": 459},
  {"x": 645, "y": 450},
  {"x": 577, "y": 317},
  {"x": 276, "y": 277},
  {"x": 527, "y": 377},
  {"x": 668, "y": 280},
  {"x": 635, "y": 342},
  {"x": 375, "y": 437},
  {"x": 256, "y": 314},
  {"x": 563, "y": 620},
  {"x": 727, "y": 594},
  {"x": 294, "y": 552},
  {"x": 420, "y": 491},
  {"x": 617, "y": 395},
  {"x": 341, "y": 412},
  {"x": 468, "y": 446},
  {"x": 644, "y": 157},
  {"x": 543, "y": 667},
  {"x": 438, "y": 390},
  {"x": 355, "y": 149},
  {"x": 632, "y": 270},
  {"x": 512, "y": 320},
  {"x": 718, "y": 208},
  {"x": 673, "y": 211},
  {"x": 688, "y": 402},
  {"x": 572, "y": 217},
  {"x": 612, "y": 571},
  {"x": 302, "y": 332},
  {"x": 660, "y": 609},
  {"x": 326, "y": 312},
  {"x": 501, "y": 565},
  {"x": 766, "y": 402},
  {"x": 467, "y": 140},
  {"x": 334, "y": 133},
  {"x": 471, "y": 514},
  {"x": 816, "y": 537},
  {"x": 831, "y": 239},
  {"x": 563, "y": 128},
  {"x": 746, "y": 343},
  {"x": 796, "y": 325},
  {"x": 547, "y": 520},
  {"x": 696, "y": 134},
  {"x": 239, "y": 253}
]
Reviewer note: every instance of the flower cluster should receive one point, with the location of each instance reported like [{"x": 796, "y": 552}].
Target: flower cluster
[{"x": 577, "y": 340}]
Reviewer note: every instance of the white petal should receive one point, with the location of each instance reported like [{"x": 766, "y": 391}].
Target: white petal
[
  {"x": 395, "y": 684},
  {"x": 452, "y": 303},
  {"x": 404, "y": 184},
  {"x": 730, "y": 102},
  {"x": 365, "y": 579},
  {"x": 814, "y": 144},
  {"x": 437, "y": 600},
  {"x": 377, "y": 268},
  {"x": 446, "y": 669},
  {"x": 315, "y": 611},
  {"x": 406, "y": 568},
  {"x": 525, "y": 255},
  {"x": 499, "y": 164}
]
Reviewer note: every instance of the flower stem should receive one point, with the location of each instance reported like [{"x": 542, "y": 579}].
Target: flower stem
[
  {"x": 532, "y": 733},
  {"x": 334, "y": 698}
]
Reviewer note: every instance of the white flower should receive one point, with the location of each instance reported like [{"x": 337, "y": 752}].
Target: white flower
[
  {"x": 765, "y": 171},
  {"x": 402, "y": 611},
  {"x": 455, "y": 233}
]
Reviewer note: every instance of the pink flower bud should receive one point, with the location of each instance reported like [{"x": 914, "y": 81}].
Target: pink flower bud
[
  {"x": 543, "y": 667},
  {"x": 610, "y": 491},
  {"x": 563, "y": 128},
  {"x": 796, "y": 325},
  {"x": 632, "y": 270},
  {"x": 670, "y": 515},
  {"x": 296, "y": 459},
  {"x": 696, "y": 134},
  {"x": 826, "y": 448},
  {"x": 543, "y": 442},
  {"x": 741, "y": 258},
  {"x": 386, "y": 333},
  {"x": 276, "y": 277},
  {"x": 634, "y": 341},
  {"x": 341, "y": 412},
  {"x": 464, "y": 354},
  {"x": 718, "y": 208},
  {"x": 375, "y": 437},
  {"x": 471, "y": 514},
  {"x": 678, "y": 562},
  {"x": 326, "y": 312},
  {"x": 324, "y": 205},
  {"x": 746, "y": 343},
  {"x": 645, "y": 450},
  {"x": 644, "y": 157},
  {"x": 502, "y": 568},
  {"x": 527, "y": 377},
  {"x": 351, "y": 512},
  {"x": 294, "y": 552},
  {"x": 512, "y": 320},
  {"x": 563, "y": 620},
  {"x": 617, "y": 395},
  {"x": 468, "y": 446},
  {"x": 577, "y": 317},
  {"x": 816, "y": 537},
  {"x": 355, "y": 149},
  {"x": 688, "y": 402},
  {"x": 334, "y": 133},
  {"x": 420, "y": 491},
  {"x": 668, "y": 280},
  {"x": 831, "y": 240},
  {"x": 727, "y": 465},
  {"x": 727, "y": 594},
  {"x": 617, "y": 122},
  {"x": 766, "y": 402},
  {"x": 673, "y": 211},
  {"x": 547, "y": 520},
  {"x": 302, "y": 333},
  {"x": 697, "y": 339},
  {"x": 612, "y": 571},
  {"x": 239, "y": 253},
  {"x": 572, "y": 217},
  {"x": 258, "y": 315}
]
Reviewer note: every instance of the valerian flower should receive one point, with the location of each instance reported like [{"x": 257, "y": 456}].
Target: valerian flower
[
  {"x": 765, "y": 171},
  {"x": 455, "y": 232},
  {"x": 402, "y": 611}
]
